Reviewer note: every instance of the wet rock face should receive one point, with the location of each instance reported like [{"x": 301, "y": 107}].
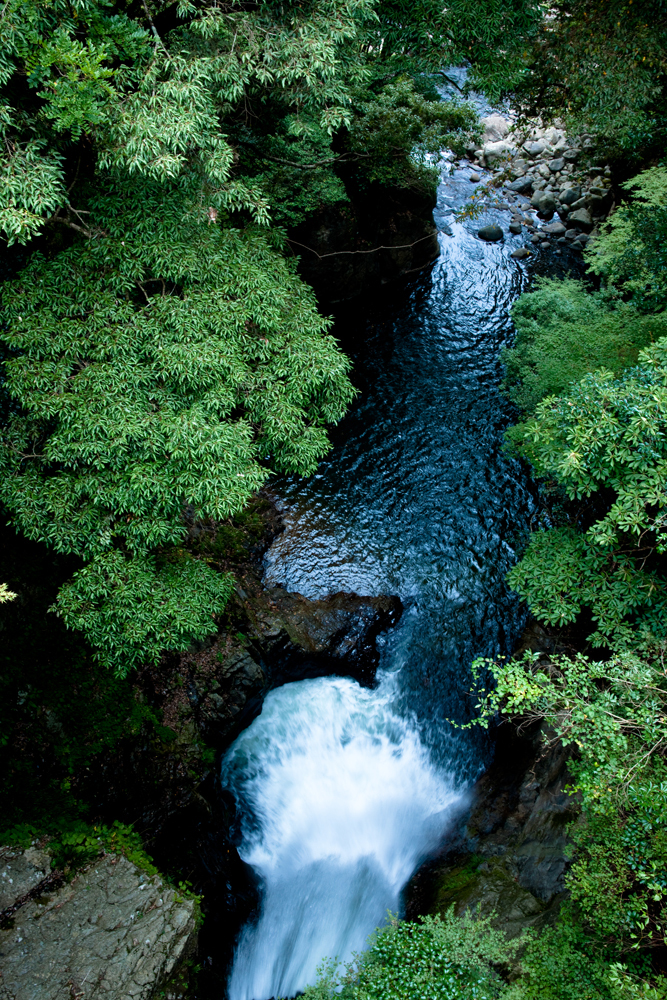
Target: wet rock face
[
  {"x": 304, "y": 638},
  {"x": 111, "y": 932},
  {"x": 511, "y": 856}
]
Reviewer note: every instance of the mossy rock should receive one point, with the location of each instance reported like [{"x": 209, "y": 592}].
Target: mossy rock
[{"x": 491, "y": 886}]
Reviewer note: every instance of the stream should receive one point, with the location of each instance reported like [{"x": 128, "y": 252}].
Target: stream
[{"x": 344, "y": 790}]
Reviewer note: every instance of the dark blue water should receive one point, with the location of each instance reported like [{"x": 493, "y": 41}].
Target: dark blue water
[{"x": 346, "y": 790}]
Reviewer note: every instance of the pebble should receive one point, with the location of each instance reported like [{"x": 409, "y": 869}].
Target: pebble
[
  {"x": 474, "y": 177},
  {"x": 535, "y": 238},
  {"x": 545, "y": 244}
]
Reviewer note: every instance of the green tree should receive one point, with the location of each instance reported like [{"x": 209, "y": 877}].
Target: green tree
[
  {"x": 442, "y": 958},
  {"x": 605, "y": 436},
  {"x": 156, "y": 373},
  {"x": 564, "y": 331}
]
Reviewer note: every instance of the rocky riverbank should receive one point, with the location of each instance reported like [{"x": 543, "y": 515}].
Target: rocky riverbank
[
  {"x": 510, "y": 855},
  {"x": 557, "y": 189}
]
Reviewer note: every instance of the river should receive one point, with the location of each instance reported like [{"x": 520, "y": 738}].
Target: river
[{"x": 343, "y": 790}]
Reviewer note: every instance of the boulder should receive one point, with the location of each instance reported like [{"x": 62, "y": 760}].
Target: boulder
[
  {"x": 555, "y": 229},
  {"x": 521, "y": 253},
  {"x": 496, "y": 151},
  {"x": 299, "y": 637},
  {"x": 544, "y": 202},
  {"x": 112, "y": 932},
  {"x": 581, "y": 218},
  {"x": 570, "y": 195},
  {"x": 534, "y": 147},
  {"x": 556, "y": 165},
  {"x": 523, "y": 185},
  {"x": 495, "y": 127},
  {"x": 491, "y": 233}
]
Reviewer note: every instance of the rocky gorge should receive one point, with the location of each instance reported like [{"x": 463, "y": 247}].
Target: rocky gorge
[{"x": 507, "y": 854}]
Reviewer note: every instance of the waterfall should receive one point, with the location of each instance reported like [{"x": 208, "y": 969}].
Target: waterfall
[{"x": 340, "y": 803}]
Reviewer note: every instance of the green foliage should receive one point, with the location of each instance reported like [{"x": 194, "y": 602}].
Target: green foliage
[
  {"x": 155, "y": 368},
  {"x": 565, "y": 331},
  {"x": 398, "y": 133},
  {"x": 559, "y": 965},
  {"x": 441, "y": 958},
  {"x": 598, "y": 66},
  {"x": 615, "y": 714},
  {"x": 631, "y": 252},
  {"x": 131, "y": 610},
  {"x": 608, "y": 434}
]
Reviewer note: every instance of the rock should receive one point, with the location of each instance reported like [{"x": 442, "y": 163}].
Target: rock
[
  {"x": 534, "y": 148},
  {"x": 595, "y": 171},
  {"x": 544, "y": 171},
  {"x": 491, "y": 233},
  {"x": 521, "y": 253},
  {"x": 299, "y": 637},
  {"x": 580, "y": 203},
  {"x": 20, "y": 872},
  {"x": 112, "y": 931},
  {"x": 543, "y": 201},
  {"x": 571, "y": 234},
  {"x": 515, "y": 228},
  {"x": 495, "y": 151},
  {"x": 556, "y": 165},
  {"x": 571, "y": 154},
  {"x": 581, "y": 217},
  {"x": 495, "y": 127},
  {"x": 570, "y": 195},
  {"x": 474, "y": 177},
  {"x": 523, "y": 185},
  {"x": 535, "y": 238},
  {"x": 545, "y": 244},
  {"x": 555, "y": 229}
]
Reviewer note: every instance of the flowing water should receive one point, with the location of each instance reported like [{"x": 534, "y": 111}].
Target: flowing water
[{"x": 344, "y": 790}]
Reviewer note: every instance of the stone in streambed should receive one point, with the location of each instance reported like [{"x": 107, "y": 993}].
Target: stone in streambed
[
  {"x": 556, "y": 165},
  {"x": 543, "y": 202},
  {"x": 555, "y": 229},
  {"x": 515, "y": 227},
  {"x": 474, "y": 177},
  {"x": 581, "y": 217},
  {"x": 491, "y": 233},
  {"x": 570, "y": 195},
  {"x": 521, "y": 253},
  {"x": 523, "y": 185}
]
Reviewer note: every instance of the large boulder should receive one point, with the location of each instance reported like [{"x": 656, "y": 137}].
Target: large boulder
[
  {"x": 113, "y": 932},
  {"x": 522, "y": 185},
  {"x": 581, "y": 218},
  {"x": 495, "y": 127},
  {"x": 570, "y": 195},
  {"x": 494, "y": 152}
]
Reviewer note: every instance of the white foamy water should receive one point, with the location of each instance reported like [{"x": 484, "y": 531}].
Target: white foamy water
[{"x": 341, "y": 803}]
